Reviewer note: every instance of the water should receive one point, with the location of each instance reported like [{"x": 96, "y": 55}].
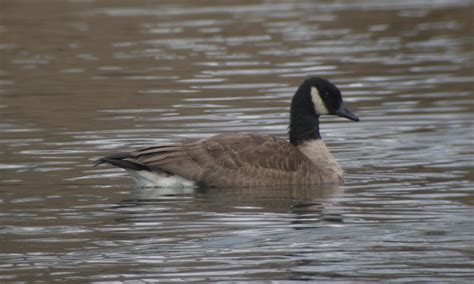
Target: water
[{"x": 80, "y": 79}]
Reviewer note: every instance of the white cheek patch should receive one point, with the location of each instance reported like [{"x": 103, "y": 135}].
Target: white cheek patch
[{"x": 319, "y": 106}]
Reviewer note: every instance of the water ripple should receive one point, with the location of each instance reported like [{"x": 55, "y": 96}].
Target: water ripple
[{"x": 112, "y": 77}]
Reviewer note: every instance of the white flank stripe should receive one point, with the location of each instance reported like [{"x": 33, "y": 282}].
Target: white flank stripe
[{"x": 152, "y": 179}]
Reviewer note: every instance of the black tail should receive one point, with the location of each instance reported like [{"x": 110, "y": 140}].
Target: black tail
[{"x": 123, "y": 160}]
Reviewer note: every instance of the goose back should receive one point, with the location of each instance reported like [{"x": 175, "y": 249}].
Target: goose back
[{"x": 240, "y": 160}]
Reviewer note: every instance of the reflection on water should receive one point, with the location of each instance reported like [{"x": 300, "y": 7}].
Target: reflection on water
[{"x": 79, "y": 79}]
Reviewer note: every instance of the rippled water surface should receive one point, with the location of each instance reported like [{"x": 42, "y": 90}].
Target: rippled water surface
[{"x": 80, "y": 79}]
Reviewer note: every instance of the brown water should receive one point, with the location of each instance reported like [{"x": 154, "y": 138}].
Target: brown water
[{"x": 84, "y": 78}]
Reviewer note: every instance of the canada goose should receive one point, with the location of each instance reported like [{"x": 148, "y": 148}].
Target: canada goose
[{"x": 244, "y": 159}]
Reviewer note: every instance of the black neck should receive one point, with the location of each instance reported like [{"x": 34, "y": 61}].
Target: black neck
[
  {"x": 303, "y": 128},
  {"x": 304, "y": 122}
]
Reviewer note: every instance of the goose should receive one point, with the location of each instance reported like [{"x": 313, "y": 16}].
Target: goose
[{"x": 248, "y": 159}]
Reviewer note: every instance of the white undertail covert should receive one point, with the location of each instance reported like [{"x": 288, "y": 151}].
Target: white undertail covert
[{"x": 156, "y": 179}]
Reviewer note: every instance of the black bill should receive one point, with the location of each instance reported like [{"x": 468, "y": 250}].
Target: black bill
[{"x": 344, "y": 112}]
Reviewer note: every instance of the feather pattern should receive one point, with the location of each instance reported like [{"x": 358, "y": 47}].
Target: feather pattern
[{"x": 236, "y": 159}]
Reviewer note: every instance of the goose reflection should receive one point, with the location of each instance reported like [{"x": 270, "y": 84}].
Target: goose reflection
[{"x": 301, "y": 206}]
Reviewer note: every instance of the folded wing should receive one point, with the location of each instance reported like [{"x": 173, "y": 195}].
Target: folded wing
[{"x": 228, "y": 159}]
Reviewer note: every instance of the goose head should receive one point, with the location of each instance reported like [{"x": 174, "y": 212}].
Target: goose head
[
  {"x": 315, "y": 97},
  {"x": 327, "y": 99}
]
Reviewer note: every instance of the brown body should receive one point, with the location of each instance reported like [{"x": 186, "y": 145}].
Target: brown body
[{"x": 243, "y": 160}]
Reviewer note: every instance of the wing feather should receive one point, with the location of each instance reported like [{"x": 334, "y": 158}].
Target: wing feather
[{"x": 227, "y": 159}]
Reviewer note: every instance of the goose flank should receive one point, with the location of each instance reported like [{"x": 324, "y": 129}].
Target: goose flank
[{"x": 246, "y": 159}]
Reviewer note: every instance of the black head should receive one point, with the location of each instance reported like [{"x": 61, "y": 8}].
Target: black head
[
  {"x": 314, "y": 97},
  {"x": 326, "y": 98}
]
